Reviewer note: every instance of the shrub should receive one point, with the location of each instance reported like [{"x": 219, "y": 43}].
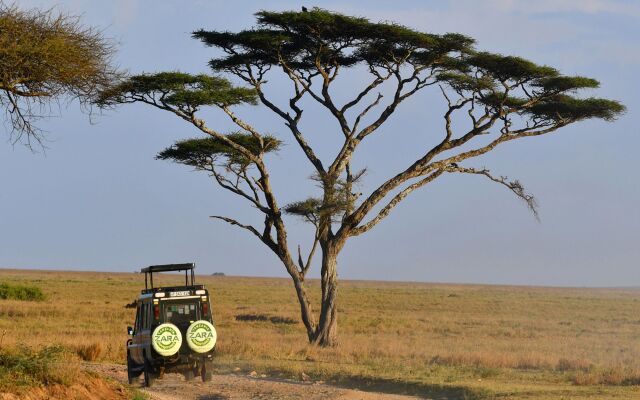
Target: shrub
[{"x": 20, "y": 292}]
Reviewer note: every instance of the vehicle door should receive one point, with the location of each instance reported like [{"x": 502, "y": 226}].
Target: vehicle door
[{"x": 142, "y": 333}]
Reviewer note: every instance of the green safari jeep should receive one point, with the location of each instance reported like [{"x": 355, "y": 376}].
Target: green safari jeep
[{"x": 173, "y": 330}]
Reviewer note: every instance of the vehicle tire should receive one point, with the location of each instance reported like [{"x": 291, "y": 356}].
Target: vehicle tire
[
  {"x": 131, "y": 375},
  {"x": 188, "y": 375},
  {"x": 207, "y": 371},
  {"x": 149, "y": 373}
]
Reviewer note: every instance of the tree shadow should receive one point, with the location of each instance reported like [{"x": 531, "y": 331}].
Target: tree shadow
[
  {"x": 213, "y": 397},
  {"x": 264, "y": 318}
]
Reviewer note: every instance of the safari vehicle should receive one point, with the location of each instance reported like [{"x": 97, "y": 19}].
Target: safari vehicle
[{"x": 173, "y": 331}]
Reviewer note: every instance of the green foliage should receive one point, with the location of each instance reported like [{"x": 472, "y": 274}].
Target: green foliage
[
  {"x": 312, "y": 209},
  {"x": 302, "y": 39},
  {"x": 21, "y": 292},
  {"x": 505, "y": 68},
  {"x": 498, "y": 100},
  {"x": 202, "y": 152},
  {"x": 308, "y": 209},
  {"x": 556, "y": 108},
  {"x": 306, "y": 40},
  {"x": 25, "y": 367},
  {"x": 569, "y": 108},
  {"x": 464, "y": 82},
  {"x": 179, "y": 89},
  {"x": 337, "y": 201},
  {"x": 566, "y": 83}
]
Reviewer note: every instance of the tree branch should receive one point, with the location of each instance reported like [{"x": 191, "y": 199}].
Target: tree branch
[
  {"x": 422, "y": 167},
  {"x": 243, "y": 124},
  {"x": 304, "y": 267},
  {"x": 236, "y": 223},
  {"x": 234, "y": 188},
  {"x": 365, "y": 111},
  {"x": 292, "y": 124},
  {"x": 394, "y": 201},
  {"x": 515, "y": 186},
  {"x": 376, "y": 82}
]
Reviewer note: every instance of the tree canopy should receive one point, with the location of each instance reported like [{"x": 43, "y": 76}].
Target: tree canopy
[
  {"x": 493, "y": 98},
  {"x": 45, "y": 58},
  {"x": 203, "y": 153}
]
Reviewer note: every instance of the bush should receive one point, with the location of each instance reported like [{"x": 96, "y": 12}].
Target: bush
[
  {"x": 25, "y": 367},
  {"x": 20, "y": 292}
]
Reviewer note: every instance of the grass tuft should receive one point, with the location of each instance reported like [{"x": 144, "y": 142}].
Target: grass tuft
[
  {"x": 138, "y": 395},
  {"x": 89, "y": 352}
]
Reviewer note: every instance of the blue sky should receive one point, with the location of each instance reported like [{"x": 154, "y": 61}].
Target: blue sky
[{"x": 97, "y": 199}]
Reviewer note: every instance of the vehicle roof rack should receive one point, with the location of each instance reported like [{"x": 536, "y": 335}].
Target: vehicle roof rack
[
  {"x": 150, "y": 270},
  {"x": 169, "y": 267}
]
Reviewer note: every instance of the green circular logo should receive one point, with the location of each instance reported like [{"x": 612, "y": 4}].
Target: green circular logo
[
  {"x": 201, "y": 336},
  {"x": 166, "y": 339}
]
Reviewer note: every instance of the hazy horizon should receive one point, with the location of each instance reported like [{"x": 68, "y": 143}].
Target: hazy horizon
[
  {"x": 391, "y": 281},
  {"x": 98, "y": 198}
]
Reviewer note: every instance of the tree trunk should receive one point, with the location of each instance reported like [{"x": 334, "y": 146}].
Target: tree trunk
[
  {"x": 326, "y": 333},
  {"x": 305, "y": 309}
]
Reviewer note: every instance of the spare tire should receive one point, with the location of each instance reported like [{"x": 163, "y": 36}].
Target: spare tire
[
  {"x": 166, "y": 339},
  {"x": 201, "y": 336}
]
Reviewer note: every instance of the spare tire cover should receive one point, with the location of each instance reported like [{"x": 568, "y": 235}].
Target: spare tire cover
[
  {"x": 201, "y": 336},
  {"x": 166, "y": 339}
]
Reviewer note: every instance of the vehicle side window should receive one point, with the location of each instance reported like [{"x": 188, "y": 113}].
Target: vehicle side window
[
  {"x": 145, "y": 319},
  {"x": 149, "y": 319}
]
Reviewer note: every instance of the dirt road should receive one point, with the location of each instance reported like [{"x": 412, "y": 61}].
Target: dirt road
[{"x": 239, "y": 386}]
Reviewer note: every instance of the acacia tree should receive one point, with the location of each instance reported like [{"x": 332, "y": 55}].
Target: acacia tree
[
  {"x": 502, "y": 98},
  {"x": 46, "y": 57}
]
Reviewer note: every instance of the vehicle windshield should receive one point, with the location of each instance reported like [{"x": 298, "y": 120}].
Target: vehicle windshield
[{"x": 179, "y": 312}]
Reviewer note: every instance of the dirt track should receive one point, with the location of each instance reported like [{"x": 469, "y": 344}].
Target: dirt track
[{"x": 236, "y": 386}]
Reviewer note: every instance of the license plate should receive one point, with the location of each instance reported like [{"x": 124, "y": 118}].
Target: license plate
[{"x": 176, "y": 294}]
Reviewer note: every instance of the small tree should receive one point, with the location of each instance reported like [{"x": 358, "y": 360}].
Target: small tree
[
  {"x": 44, "y": 58},
  {"x": 503, "y": 98}
]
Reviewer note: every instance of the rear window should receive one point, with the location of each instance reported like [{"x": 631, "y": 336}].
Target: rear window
[{"x": 179, "y": 312}]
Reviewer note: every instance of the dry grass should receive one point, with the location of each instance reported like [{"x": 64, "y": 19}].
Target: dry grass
[
  {"x": 89, "y": 352},
  {"x": 438, "y": 340}
]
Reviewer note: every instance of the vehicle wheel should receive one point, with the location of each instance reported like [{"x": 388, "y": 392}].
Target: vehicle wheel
[
  {"x": 207, "y": 371},
  {"x": 188, "y": 375},
  {"x": 131, "y": 375},
  {"x": 149, "y": 373}
]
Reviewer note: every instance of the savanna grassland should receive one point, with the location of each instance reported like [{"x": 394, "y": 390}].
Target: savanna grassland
[{"x": 433, "y": 340}]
